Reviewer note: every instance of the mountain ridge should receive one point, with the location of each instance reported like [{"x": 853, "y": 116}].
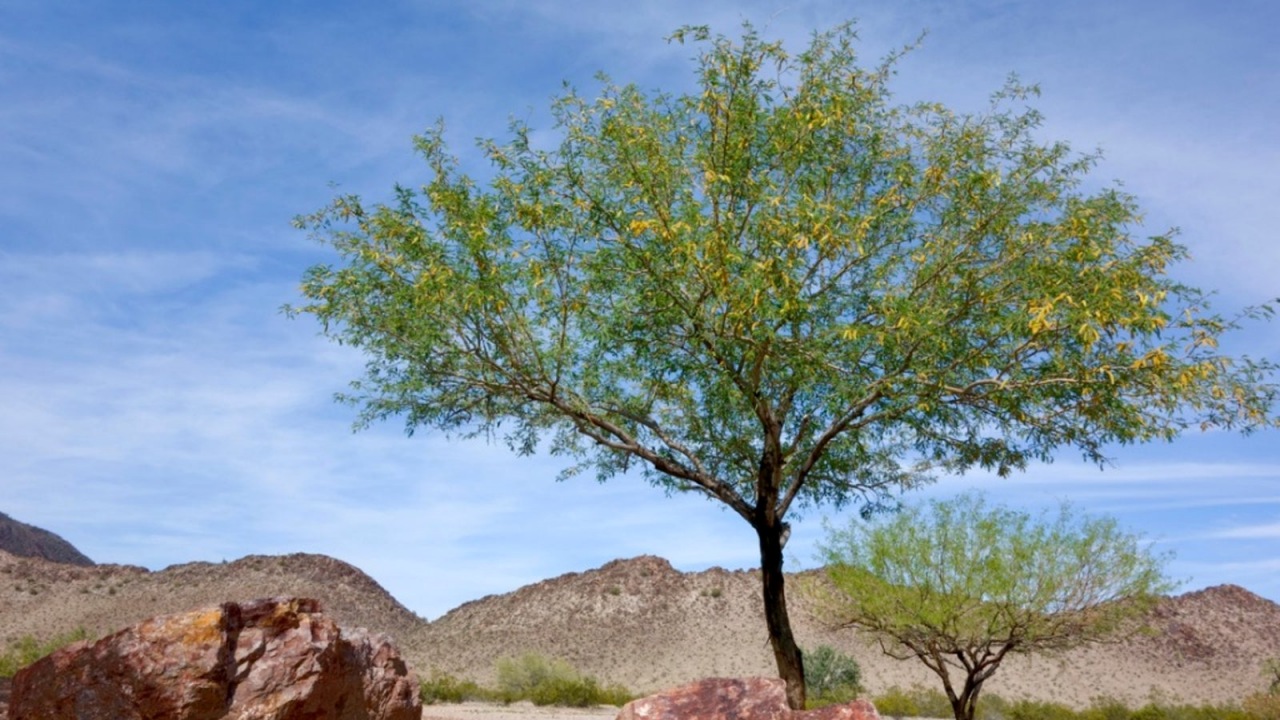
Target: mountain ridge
[
  {"x": 642, "y": 623},
  {"x": 26, "y": 540}
]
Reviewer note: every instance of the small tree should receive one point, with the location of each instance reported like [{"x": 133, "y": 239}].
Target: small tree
[
  {"x": 780, "y": 290},
  {"x": 960, "y": 586}
]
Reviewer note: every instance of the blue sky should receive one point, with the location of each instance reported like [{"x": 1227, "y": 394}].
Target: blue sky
[{"x": 156, "y": 408}]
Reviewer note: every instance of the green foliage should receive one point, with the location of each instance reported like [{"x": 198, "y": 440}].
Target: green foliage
[
  {"x": 441, "y": 687},
  {"x": 918, "y": 701},
  {"x": 1038, "y": 710},
  {"x": 28, "y": 649},
  {"x": 831, "y": 676},
  {"x": 782, "y": 260},
  {"x": 1106, "y": 708},
  {"x": 992, "y": 707},
  {"x": 781, "y": 289},
  {"x": 518, "y": 677},
  {"x": 960, "y": 585},
  {"x": 549, "y": 681}
]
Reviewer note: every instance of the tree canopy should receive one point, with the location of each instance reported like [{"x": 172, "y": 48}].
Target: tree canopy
[
  {"x": 779, "y": 290},
  {"x": 960, "y": 585}
]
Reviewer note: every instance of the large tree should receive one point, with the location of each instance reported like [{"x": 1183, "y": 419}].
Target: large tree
[
  {"x": 779, "y": 290},
  {"x": 961, "y": 585}
]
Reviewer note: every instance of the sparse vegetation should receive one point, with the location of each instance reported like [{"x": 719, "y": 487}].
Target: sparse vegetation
[
  {"x": 550, "y": 681},
  {"x": 441, "y": 687},
  {"x": 1262, "y": 706},
  {"x": 917, "y": 701},
  {"x": 532, "y": 677},
  {"x": 920, "y": 701},
  {"x": 831, "y": 676},
  {"x": 28, "y": 649},
  {"x": 1271, "y": 671},
  {"x": 1266, "y": 705}
]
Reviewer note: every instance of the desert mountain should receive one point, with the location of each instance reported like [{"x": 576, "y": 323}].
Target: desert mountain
[
  {"x": 26, "y": 540},
  {"x": 46, "y": 599},
  {"x": 642, "y": 623}
]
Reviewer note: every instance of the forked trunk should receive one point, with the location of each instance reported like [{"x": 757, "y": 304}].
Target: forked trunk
[
  {"x": 785, "y": 651},
  {"x": 964, "y": 705}
]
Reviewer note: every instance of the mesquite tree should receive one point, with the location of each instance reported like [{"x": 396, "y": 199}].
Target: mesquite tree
[
  {"x": 780, "y": 290},
  {"x": 961, "y": 585}
]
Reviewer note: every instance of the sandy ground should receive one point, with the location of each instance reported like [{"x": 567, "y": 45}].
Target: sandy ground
[{"x": 515, "y": 711}]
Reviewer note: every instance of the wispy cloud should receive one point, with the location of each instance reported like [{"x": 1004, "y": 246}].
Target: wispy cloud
[{"x": 1265, "y": 531}]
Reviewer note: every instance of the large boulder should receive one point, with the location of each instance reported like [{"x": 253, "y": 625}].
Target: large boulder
[
  {"x": 272, "y": 659},
  {"x": 754, "y": 698}
]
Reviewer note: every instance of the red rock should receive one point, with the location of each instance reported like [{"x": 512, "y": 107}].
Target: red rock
[
  {"x": 755, "y": 698},
  {"x": 860, "y": 709},
  {"x": 274, "y": 659}
]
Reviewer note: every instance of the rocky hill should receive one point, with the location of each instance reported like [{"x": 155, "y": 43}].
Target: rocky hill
[
  {"x": 46, "y": 599},
  {"x": 19, "y": 538},
  {"x": 644, "y": 624}
]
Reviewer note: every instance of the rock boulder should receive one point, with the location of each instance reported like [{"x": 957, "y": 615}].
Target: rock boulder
[
  {"x": 272, "y": 659},
  {"x": 755, "y": 698}
]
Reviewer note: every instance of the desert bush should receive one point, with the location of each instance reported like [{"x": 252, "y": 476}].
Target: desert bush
[
  {"x": 27, "y": 650},
  {"x": 1262, "y": 706},
  {"x": 896, "y": 703},
  {"x": 549, "y": 681},
  {"x": 831, "y": 676},
  {"x": 442, "y": 687},
  {"x": 1105, "y": 708},
  {"x": 578, "y": 692},
  {"x": 1271, "y": 671},
  {"x": 1160, "y": 710},
  {"x": 518, "y": 677},
  {"x": 918, "y": 701},
  {"x": 1038, "y": 710},
  {"x": 992, "y": 707}
]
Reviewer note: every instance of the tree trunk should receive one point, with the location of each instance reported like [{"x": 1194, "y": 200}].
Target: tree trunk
[
  {"x": 965, "y": 706},
  {"x": 785, "y": 651}
]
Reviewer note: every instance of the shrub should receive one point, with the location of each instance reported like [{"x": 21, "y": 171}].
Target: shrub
[
  {"x": 1271, "y": 671},
  {"x": 546, "y": 681},
  {"x": 993, "y": 707},
  {"x": 1150, "y": 711},
  {"x": 1105, "y": 708},
  {"x": 831, "y": 676},
  {"x": 1262, "y": 706},
  {"x": 518, "y": 677},
  {"x": 1036, "y": 710},
  {"x": 442, "y": 687},
  {"x": 28, "y": 650},
  {"x": 919, "y": 701}
]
